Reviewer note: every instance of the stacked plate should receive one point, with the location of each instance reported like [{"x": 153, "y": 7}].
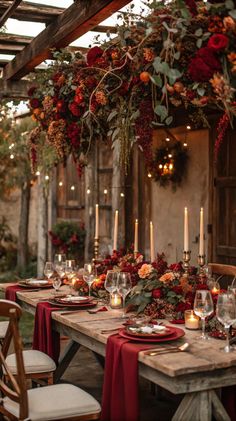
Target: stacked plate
[{"x": 151, "y": 333}]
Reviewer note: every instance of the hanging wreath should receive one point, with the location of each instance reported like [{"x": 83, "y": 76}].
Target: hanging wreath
[{"x": 170, "y": 164}]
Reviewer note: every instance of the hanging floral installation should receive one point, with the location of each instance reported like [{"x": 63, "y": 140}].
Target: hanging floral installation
[{"x": 181, "y": 55}]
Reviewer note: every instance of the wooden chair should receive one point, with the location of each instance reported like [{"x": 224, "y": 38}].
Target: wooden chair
[
  {"x": 39, "y": 367},
  {"x": 56, "y": 402},
  {"x": 223, "y": 271},
  {"x": 3, "y": 330}
]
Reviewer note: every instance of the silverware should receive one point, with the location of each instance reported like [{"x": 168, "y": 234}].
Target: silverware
[{"x": 180, "y": 348}]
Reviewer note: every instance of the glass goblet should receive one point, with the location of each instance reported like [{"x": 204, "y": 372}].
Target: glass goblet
[
  {"x": 89, "y": 274},
  {"x": 59, "y": 258},
  {"x": 56, "y": 283},
  {"x": 48, "y": 270},
  {"x": 226, "y": 314},
  {"x": 124, "y": 286},
  {"x": 203, "y": 307}
]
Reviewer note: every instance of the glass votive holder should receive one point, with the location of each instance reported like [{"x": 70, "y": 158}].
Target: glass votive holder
[
  {"x": 191, "y": 320},
  {"x": 115, "y": 300}
]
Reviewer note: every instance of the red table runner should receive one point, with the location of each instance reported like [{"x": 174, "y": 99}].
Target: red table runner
[
  {"x": 11, "y": 291},
  {"x": 45, "y": 339},
  {"x": 120, "y": 388}
]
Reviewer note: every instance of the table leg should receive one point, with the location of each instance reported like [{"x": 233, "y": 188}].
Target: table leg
[
  {"x": 200, "y": 406},
  {"x": 65, "y": 359}
]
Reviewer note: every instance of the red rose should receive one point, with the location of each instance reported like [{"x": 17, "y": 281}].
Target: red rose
[
  {"x": 93, "y": 55},
  {"x": 191, "y": 4},
  {"x": 177, "y": 289},
  {"x": 75, "y": 110},
  {"x": 218, "y": 42},
  {"x": 203, "y": 65},
  {"x": 156, "y": 293},
  {"x": 34, "y": 103}
]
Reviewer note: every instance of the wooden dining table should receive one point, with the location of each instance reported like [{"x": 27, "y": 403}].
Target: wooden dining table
[{"x": 198, "y": 374}]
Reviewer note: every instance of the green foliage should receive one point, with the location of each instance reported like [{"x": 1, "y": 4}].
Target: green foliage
[
  {"x": 8, "y": 250},
  {"x": 68, "y": 237}
]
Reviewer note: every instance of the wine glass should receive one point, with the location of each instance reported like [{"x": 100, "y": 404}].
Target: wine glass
[
  {"x": 111, "y": 281},
  {"x": 226, "y": 314},
  {"x": 61, "y": 269},
  {"x": 124, "y": 286},
  {"x": 70, "y": 269},
  {"x": 56, "y": 282},
  {"x": 48, "y": 270},
  {"x": 90, "y": 273},
  {"x": 59, "y": 258},
  {"x": 203, "y": 307}
]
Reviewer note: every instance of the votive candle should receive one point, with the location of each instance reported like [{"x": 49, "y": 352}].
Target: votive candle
[{"x": 191, "y": 320}]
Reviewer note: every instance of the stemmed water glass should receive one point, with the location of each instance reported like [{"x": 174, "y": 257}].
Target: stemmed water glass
[
  {"x": 59, "y": 258},
  {"x": 226, "y": 314},
  {"x": 48, "y": 270},
  {"x": 124, "y": 286},
  {"x": 70, "y": 269},
  {"x": 203, "y": 307},
  {"x": 90, "y": 273},
  {"x": 111, "y": 281}
]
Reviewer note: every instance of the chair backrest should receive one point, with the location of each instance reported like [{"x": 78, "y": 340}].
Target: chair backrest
[
  {"x": 225, "y": 273},
  {"x": 14, "y": 387}
]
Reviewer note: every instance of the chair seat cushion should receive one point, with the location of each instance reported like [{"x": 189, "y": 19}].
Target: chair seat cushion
[
  {"x": 59, "y": 401},
  {"x": 3, "y": 329},
  {"x": 35, "y": 362}
]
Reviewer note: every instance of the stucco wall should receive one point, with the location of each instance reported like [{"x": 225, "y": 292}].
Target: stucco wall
[{"x": 168, "y": 206}]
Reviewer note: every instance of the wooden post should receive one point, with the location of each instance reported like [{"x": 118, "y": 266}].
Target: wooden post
[
  {"x": 118, "y": 201},
  {"x": 42, "y": 227},
  {"x": 22, "y": 252},
  {"x": 52, "y": 208},
  {"x": 90, "y": 195}
]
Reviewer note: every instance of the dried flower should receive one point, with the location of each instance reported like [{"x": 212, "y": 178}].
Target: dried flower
[
  {"x": 101, "y": 97},
  {"x": 148, "y": 54}
]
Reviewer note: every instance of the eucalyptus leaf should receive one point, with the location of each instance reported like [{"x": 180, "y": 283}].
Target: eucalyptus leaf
[
  {"x": 112, "y": 115},
  {"x": 161, "y": 111},
  {"x": 157, "y": 80},
  {"x": 199, "y": 43},
  {"x": 168, "y": 120},
  {"x": 201, "y": 91},
  {"x": 177, "y": 55},
  {"x": 232, "y": 13},
  {"x": 198, "y": 32}
]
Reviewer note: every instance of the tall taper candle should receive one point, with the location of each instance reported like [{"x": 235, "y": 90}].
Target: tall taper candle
[
  {"x": 152, "y": 249},
  {"x": 186, "y": 233},
  {"x": 115, "y": 230},
  {"x": 96, "y": 221},
  {"x": 201, "y": 237},
  {"x": 136, "y": 236}
]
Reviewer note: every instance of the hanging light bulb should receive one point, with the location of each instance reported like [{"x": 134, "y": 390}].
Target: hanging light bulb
[
  {"x": 160, "y": 166},
  {"x": 188, "y": 127},
  {"x": 72, "y": 188},
  {"x": 185, "y": 144},
  {"x": 149, "y": 175},
  {"x": 170, "y": 155},
  {"x": 122, "y": 194},
  {"x": 167, "y": 139},
  {"x": 105, "y": 191},
  {"x": 46, "y": 177},
  {"x": 12, "y": 156},
  {"x": 60, "y": 183},
  {"x": 88, "y": 191},
  {"x": 37, "y": 172}
]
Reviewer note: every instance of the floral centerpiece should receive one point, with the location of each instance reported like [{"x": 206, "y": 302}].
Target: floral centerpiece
[
  {"x": 181, "y": 55},
  {"x": 68, "y": 237}
]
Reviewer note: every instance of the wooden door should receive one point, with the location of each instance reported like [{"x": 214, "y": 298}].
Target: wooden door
[{"x": 224, "y": 220}]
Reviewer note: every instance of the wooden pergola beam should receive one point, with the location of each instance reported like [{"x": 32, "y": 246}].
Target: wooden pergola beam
[
  {"x": 9, "y": 11},
  {"x": 32, "y": 12},
  {"x": 74, "y": 22},
  {"x": 14, "y": 89}
]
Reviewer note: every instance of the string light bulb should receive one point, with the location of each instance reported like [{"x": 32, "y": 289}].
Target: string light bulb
[
  {"x": 170, "y": 155},
  {"x": 37, "y": 173},
  {"x": 72, "y": 188},
  {"x": 188, "y": 127},
  {"x": 46, "y": 177},
  {"x": 88, "y": 191},
  {"x": 60, "y": 183},
  {"x": 160, "y": 166},
  {"x": 105, "y": 191},
  {"x": 149, "y": 175},
  {"x": 12, "y": 156},
  {"x": 185, "y": 144},
  {"x": 122, "y": 194},
  {"x": 167, "y": 139}
]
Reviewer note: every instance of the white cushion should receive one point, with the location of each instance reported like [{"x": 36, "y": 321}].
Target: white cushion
[
  {"x": 34, "y": 361},
  {"x": 58, "y": 401},
  {"x": 3, "y": 329}
]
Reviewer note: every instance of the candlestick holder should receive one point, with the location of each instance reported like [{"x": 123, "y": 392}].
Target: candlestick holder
[
  {"x": 201, "y": 264},
  {"x": 96, "y": 248},
  {"x": 186, "y": 259}
]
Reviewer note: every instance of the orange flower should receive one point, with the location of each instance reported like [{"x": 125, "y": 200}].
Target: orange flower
[
  {"x": 148, "y": 54},
  {"x": 167, "y": 277},
  {"x": 36, "y": 111},
  {"x": 231, "y": 57},
  {"x": 145, "y": 271},
  {"x": 101, "y": 97},
  {"x": 229, "y": 23}
]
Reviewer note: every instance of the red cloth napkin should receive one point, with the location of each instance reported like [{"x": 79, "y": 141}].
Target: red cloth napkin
[
  {"x": 228, "y": 398},
  {"x": 120, "y": 388},
  {"x": 11, "y": 291},
  {"x": 45, "y": 339}
]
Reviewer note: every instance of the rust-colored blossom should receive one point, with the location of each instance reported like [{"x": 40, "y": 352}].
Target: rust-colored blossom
[
  {"x": 145, "y": 271},
  {"x": 101, "y": 97},
  {"x": 229, "y": 23},
  {"x": 167, "y": 277},
  {"x": 148, "y": 54}
]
